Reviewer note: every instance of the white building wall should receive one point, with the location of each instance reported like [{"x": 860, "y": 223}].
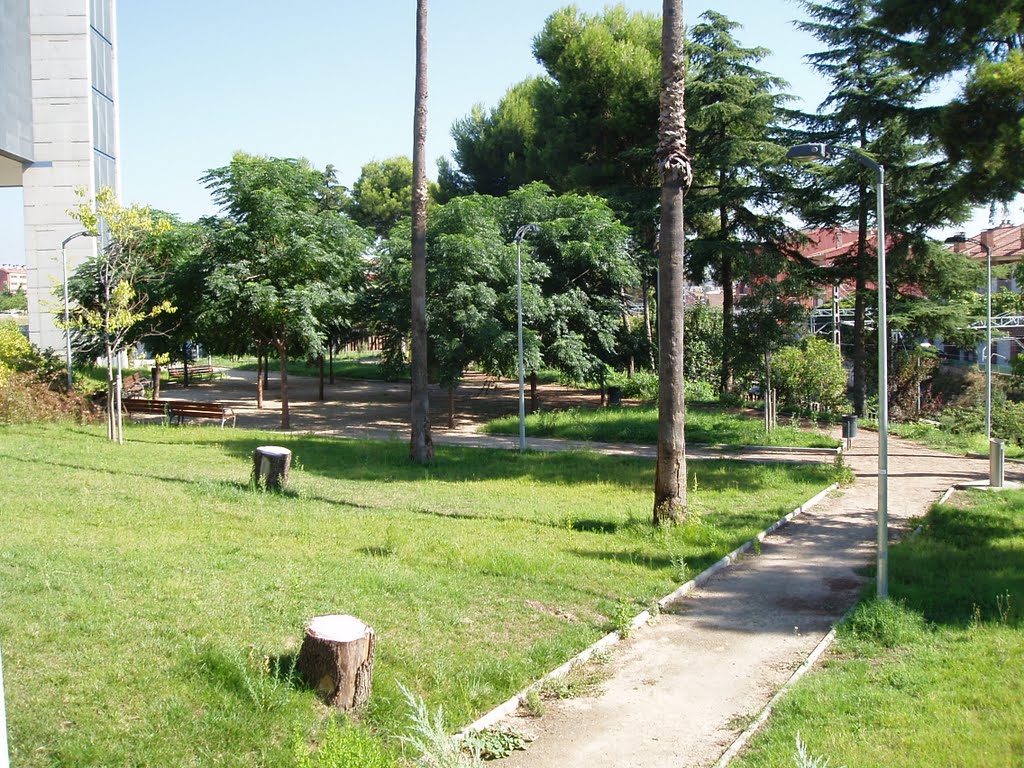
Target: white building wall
[{"x": 64, "y": 44}]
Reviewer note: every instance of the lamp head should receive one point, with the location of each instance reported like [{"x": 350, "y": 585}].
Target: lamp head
[
  {"x": 523, "y": 231},
  {"x": 815, "y": 151}
]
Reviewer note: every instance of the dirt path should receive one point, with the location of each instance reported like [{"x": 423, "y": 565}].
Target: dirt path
[{"x": 683, "y": 687}]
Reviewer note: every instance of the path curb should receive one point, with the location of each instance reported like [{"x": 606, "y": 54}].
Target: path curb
[{"x": 508, "y": 707}]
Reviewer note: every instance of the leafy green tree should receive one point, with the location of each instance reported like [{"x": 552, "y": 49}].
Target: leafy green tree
[
  {"x": 983, "y": 127},
  {"x": 676, "y": 173},
  {"x": 382, "y": 195},
  {"x": 575, "y": 269},
  {"x": 16, "y": 301},
  {"x": 873, "y": 107},
  {"x": 278, "y": 259},
  {"x": 111, "y": 292},
  {"x": 738, "y": 194}
]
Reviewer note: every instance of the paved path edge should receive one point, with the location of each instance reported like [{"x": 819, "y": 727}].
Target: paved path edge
[{"x": 508, "y": 707}]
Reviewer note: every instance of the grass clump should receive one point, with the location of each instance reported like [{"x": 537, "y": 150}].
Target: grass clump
[
  {"x": 344, "y": 745},
  {"x": 704, "y": 425},
  {"x": 933, "y": 676}
]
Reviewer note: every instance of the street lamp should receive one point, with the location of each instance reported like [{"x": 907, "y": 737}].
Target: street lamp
[
  {"x": 960, "y": 237},
  {"x": 522, "y": 232},
  {"x": 824, "y": 152},
  {"x": 67, "y": 319}
]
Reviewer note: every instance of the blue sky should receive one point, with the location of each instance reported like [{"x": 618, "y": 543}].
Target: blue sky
[{"x": 332, "y": 80}]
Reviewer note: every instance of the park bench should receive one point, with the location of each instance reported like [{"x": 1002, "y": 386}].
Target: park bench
[
  {"x": 179, "y": 410},
  {"x": 140, "y": 406},
  {"x": 176, "y": 411},
  {"x": 177, "y": 372},
  {"x": 134, "y": 386}
]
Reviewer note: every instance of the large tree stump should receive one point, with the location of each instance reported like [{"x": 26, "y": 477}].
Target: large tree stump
[
  {"x": 270, "y": 464},
  {"x": 337, "y": 659}
]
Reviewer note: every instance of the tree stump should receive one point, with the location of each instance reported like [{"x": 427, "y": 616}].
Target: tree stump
[
  {"x": 270, "y": 464},
  {"x": 337, "y": 659}
]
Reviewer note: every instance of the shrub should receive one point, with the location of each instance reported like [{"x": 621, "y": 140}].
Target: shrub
[
  {"x": 811, "y": 373},
  {"x": 15, "y": 350},
  {"x": 25, "y": 399},
  {"x": 643, "y": 385}
]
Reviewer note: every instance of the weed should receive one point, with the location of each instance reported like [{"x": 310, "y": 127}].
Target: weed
[
  {"x": 432, "y": 745},
  {"x": 496, "y": 743},
  {"x": 1004, "y": 607},
  {"x": 804, "y": 760},
  {"x": 680, "y": 570},
  {"x": 622, "y": 618},
  {"x": 533, "y": 704},
  {"x": 756, "y": 546},
  {"x": 581, "y": 679},
  {"x": 841, "y": 473}
]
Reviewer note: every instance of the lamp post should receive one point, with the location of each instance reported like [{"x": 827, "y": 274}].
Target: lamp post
[
  {"x": 962, "y": 238},
  {"x": 67, "y": 318},
  {"x": 522, "y": 232},
  {"x": 824, "y": 152}
]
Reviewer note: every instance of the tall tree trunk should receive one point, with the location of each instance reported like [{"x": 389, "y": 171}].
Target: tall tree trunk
[
  {"x": 259, "y": 376},
  {"x": 533, "y": 391},
  {"x": 320, "y": 361},
  {"x": 282, "y": 352},
  {"x": 728, "y": 324},
  {"x": 330, "y": 352},
  {"x": 422, "y": 447},
  {"x": 266, "y": 367},
  {"x": 156, "y": 381},
  {"x": 648, "y": 329},
  {"x": 676, "y": 176},
  {"x": 451, "y": 407}
]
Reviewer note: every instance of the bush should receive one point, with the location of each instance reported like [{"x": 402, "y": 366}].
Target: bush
[
  {"x": 15, "y": 351},
  {"x": 811, "y": 373},
  {"x": 25, "y": 399},
  {"x": 643, "y": 385}
]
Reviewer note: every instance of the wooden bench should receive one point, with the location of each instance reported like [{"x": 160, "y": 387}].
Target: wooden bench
[
  {"x": 141, "y": 406},
  {"x": 177, "y": 372},
  {"x": 180, "y": 410},
  {"x": 134, "y": 386},
  {"x": 176, "y": 411}
]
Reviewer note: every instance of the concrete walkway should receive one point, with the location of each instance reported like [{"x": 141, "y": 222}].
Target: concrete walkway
[{"x": 683, "y": 687}]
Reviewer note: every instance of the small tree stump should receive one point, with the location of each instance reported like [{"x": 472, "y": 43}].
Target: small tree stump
[
  {"x": 270, "y": 464},
  {"x": 337, "y": 659}
]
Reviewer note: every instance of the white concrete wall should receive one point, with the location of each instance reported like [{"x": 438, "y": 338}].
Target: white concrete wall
[{"x": 63, "y": 155}]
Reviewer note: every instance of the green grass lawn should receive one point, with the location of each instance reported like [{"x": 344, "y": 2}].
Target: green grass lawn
[
  {"x": 146, "y": 590},
  {"x": 704, "y": 424},
  {"x": 347, "y": 365},
  {"x": 935, "y": 677}
]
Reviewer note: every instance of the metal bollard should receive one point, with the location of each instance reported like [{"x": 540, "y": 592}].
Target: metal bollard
[{"x": 996, "y": 462}]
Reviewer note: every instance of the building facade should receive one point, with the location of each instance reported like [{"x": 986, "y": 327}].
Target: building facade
[
  {"x": 13, "y": 279},
  {"x": 60, "y": 134}
]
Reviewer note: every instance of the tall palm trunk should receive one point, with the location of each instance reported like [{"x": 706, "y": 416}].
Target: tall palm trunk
[
  {"x": 422, "y": 448},
  {"x": 676, "y": 176}
]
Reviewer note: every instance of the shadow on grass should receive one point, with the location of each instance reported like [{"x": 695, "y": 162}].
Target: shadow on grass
[{"x": 969, "y": 563}]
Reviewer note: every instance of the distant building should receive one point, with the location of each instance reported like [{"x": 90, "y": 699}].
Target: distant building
[
  {"x": 58, "y": 131},
  {"x": 12, "y": 278}
]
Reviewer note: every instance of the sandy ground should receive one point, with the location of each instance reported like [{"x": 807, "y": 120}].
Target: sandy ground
[{"x": 682, "y": 687}]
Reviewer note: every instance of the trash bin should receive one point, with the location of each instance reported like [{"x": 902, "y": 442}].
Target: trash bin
[
  {"x": 996, "y": 462},
  {"x": 849, "y": 426},
  {"x": 614, "y": 396}
]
